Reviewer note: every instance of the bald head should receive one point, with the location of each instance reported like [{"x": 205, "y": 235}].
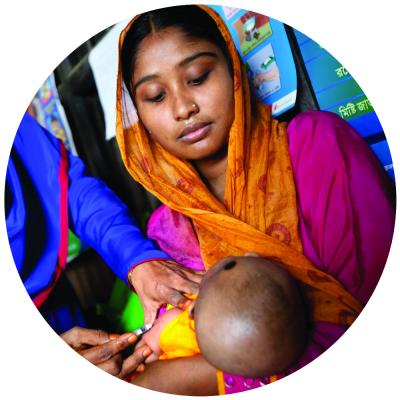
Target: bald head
[{"x": 249, "y": 317}]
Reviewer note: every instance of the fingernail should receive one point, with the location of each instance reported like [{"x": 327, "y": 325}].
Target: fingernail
[
  {"x": 146, "y": 352},
  {"x": 184, "y": 304},
  {"x": 113, "y": 336},
  {"x": 140, "y": 368},
  {"x": 132, "y": 339}
]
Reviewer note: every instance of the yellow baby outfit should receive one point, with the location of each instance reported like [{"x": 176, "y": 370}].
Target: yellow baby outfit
[{"x": 178, "y": 339}]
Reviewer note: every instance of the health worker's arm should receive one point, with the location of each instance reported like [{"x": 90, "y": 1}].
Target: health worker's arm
[{"x": 105, "y": 223}]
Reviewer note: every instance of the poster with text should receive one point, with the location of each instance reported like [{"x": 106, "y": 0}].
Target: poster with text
[{"x": 267, "y": 57}]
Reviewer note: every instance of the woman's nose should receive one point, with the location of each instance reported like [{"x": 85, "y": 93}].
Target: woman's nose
[{"x": 184, "y": 107}]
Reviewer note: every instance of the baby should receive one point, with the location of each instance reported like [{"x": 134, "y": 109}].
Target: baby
[{"x": 247, "y": 320}]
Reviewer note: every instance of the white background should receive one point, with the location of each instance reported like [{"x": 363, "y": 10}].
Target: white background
[{"x": 36, "y": 36}]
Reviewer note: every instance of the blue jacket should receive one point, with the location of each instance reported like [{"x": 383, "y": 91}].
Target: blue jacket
[{"x": 49, "y": 190}]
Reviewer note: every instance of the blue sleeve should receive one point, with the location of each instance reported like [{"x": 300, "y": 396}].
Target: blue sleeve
[{"x": 103, "y": 222}]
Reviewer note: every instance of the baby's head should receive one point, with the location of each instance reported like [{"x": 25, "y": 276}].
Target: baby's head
[{"x": 249, "y": 317}]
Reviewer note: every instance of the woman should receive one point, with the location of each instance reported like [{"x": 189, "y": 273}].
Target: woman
[{"x": 233, "y": 180}]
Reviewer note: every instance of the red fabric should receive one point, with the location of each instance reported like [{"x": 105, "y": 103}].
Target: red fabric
[{"x": 63, "y": 249}]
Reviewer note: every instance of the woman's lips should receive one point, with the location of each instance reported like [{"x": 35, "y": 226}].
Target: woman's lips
[{"x": 194, "y": 133}]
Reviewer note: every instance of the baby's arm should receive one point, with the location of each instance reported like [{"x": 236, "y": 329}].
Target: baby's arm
[
  {"x": 190, "y": 376},
  {"x": 152, "y": 337}
]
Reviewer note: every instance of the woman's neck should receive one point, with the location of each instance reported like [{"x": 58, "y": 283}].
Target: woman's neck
[{"x": 213, "y": 173}]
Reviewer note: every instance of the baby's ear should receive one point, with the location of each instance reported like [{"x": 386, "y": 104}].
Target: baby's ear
[
  {"x": 191, "y": 309},
  {"x": 251, "y": 254}
]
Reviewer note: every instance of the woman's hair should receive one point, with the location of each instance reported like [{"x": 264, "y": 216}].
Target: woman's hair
[{"x": 191, "y": 20}]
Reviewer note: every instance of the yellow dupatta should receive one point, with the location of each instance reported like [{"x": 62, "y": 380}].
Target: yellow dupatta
[{"x": 259, "y": 213}]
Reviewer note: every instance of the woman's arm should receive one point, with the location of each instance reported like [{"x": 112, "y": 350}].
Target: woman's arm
[
  {"x": 191, "y": 376},
  {"x": 346, "y": 213}
]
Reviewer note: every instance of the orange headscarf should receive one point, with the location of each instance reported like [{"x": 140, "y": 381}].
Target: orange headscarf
[{"x": 259, "y": 213}]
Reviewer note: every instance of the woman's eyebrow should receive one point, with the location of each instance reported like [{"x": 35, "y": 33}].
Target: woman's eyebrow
[
  {"x": 144, "y": 79},
  {"x": 182, "y": 63},
  {"x": 193, "y": 57}
]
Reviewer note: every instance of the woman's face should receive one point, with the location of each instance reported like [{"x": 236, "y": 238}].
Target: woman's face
[{"x": 184, "y": 93}]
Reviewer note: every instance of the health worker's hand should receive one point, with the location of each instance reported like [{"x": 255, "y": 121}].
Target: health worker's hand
[
  {"x": 161, "y": 282},
  {"x": 104, "y": 350}
]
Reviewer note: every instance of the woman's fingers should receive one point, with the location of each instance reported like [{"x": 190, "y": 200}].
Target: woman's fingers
[
  {"x": 100, "y": 354},
  {"x": 158, "y": 273},
  {"x": 182, "y": 279},
  {"x": 77, "y": 337},
  {"x": 186, "y": 271},
  {"x": 177, "y": 299},
  {"x": 140, "y": 343},
  {"x": 188, "y": 274},
  {"x": 161, "y": 282},
  {"x": 106, "y": 350},
  {"x": 183, "y": 285},
  {"x": 137, "y": 358},
  {"x": 113, "y": 366},
  {"x": 150, "y": 310},
  {"x": 169, "y": 296}
]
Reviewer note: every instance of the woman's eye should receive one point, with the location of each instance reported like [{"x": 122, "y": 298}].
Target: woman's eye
[
  {"x": 156, "y": 99},
  {"x": 199, "y": 80}
]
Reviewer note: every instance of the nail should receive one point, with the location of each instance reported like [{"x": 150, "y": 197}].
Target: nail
[
  {"x": 132, "y": 339},
  {"x": 140, "y": 368},
  {"x": 147, "y": 352}
]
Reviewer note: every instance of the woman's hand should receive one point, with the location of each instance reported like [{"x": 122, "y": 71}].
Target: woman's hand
[
  {"x": 190, "y": 376},
  {"x": 104, "y": 350},
  {"x": 161, "y": 282}
]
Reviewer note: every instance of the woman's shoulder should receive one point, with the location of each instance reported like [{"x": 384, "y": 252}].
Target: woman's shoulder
[
  {"x": 316, "y": 118},
  {"x": 321, "y": 126}
]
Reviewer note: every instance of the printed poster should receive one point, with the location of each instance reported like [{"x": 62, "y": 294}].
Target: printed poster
[
  {"x": 264, "y": 47},
  {"x": 252, "y": 29},
  {"x": 47, "y": 109},
  {"x": 337, "y": 91},
  {"x": 229, "y": 12},
  {"x": 263, "y": 72}
]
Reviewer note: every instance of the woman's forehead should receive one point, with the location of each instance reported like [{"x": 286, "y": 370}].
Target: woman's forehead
[{"x": 170, "y": 45}]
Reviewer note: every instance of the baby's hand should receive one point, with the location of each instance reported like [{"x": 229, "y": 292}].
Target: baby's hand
[
  {"x": 154, "y": 356},
  {"x": 152, "y": 337}
]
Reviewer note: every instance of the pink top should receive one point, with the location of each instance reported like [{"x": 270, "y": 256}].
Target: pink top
[{"x": 346, "y": 219}]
